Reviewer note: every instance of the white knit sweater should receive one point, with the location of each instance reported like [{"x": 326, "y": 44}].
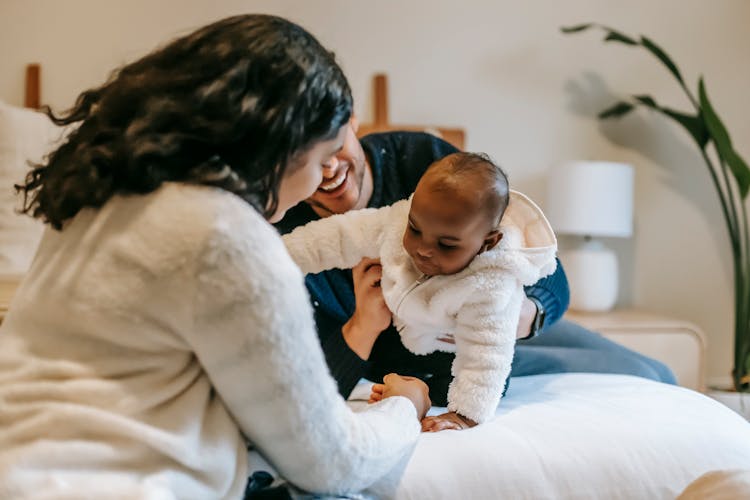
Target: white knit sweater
[
  {"x": 149, "y": 336},
  {"x": 479, "y": 306}
]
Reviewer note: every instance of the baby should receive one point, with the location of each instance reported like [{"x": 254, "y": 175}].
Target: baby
[{"x": 455, "y": 257}]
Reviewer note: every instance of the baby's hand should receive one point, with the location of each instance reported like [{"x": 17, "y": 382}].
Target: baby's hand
[
  {"x": 450, "y": 420},
  {"x": 376, "y": 393}
]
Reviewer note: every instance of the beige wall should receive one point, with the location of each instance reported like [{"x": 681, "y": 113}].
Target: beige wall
[{"x": 500, "y": 69}]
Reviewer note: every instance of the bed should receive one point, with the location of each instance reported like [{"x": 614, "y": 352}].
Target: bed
[
  {"x": 571, "y": 436},
  {"x": 574, "y": 436}
]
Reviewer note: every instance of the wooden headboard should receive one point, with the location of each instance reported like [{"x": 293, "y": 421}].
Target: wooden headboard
[
  {"x": 455, "y": 136},
  {"x": 32, "y": 96}
]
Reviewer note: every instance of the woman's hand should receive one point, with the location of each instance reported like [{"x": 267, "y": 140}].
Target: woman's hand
[
  {"x": 445, "y": 421},
  {"x": 371, "y": 315},
  {"x": 410, "y": 387}
]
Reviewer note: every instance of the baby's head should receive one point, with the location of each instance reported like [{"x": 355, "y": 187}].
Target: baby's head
[{"x": 455, "y": 213}]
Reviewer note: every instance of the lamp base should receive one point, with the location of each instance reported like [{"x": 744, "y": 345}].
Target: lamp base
[{"x": 592, "y": 275}]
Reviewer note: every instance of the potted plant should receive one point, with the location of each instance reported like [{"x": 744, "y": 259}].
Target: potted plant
[{"x": 729, "y": 173}]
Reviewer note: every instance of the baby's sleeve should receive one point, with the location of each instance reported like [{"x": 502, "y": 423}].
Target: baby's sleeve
[
  {"x": 485, "y": 340},
  {"x": 339, "y": 241}
]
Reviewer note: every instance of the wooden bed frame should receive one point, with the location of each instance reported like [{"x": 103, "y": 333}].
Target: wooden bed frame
[
  {"x": 455, "y": 136},
  {"x": 32, "y": 96}
]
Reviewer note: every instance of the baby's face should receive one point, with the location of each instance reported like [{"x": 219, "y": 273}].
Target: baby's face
[{"x": 445, "y": 231}]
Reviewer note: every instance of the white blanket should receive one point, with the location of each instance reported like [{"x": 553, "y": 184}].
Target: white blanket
[{"x": 579, "y": 436}]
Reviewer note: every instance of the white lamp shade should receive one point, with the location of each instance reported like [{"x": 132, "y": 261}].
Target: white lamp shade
[{"x": 592, "y": 198}]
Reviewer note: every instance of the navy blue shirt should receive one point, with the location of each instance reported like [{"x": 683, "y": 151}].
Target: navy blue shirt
[{"x": 397, "y": 161}]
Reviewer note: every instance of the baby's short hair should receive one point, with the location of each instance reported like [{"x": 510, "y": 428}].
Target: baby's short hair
[{"x": 476, "y": 172}]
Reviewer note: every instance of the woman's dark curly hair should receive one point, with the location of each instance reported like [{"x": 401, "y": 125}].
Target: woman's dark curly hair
[{"x": 232, "y": 105}]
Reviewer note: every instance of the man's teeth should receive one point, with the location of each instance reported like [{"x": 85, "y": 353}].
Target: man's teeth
[{"x": 336, "y": 182}]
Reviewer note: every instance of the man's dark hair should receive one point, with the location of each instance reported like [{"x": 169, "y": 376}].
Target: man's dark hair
[{"x": 232, "y": 105}]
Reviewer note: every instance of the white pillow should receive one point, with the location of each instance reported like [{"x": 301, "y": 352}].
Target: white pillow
[{"x": 25, "y": 135}]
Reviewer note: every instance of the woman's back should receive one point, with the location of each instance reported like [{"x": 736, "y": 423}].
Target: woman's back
[{"x": 96, "y": 347}]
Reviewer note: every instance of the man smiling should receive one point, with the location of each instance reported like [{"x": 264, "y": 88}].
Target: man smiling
[{"x": 354, "y": 325}]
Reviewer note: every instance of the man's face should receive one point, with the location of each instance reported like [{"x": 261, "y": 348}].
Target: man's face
[
  {"x": 341, "y": 189},
  {"x": 304, "y": 176}
]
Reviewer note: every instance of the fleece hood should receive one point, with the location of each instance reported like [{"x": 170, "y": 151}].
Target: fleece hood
[{"x": 528, "y": 245}]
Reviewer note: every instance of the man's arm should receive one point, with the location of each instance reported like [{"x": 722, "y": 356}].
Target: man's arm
[
  {"x": 345, "y": 365},
  {"x": 371, "y": 315},
  {"x": 553, "y": 293},
  {"x": 347, "y": 343}
]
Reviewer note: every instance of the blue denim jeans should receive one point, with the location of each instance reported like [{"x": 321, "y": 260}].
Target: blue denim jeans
[{"x": 567, "y": 347}]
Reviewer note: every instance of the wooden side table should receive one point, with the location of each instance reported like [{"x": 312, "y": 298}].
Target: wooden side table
[{"x": 679, "y": 344}]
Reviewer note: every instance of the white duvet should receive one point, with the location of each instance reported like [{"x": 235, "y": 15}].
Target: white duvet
[{"x": 578, "y": 436}]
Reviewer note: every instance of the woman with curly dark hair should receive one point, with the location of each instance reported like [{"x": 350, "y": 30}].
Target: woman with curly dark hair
[{"x": 162, "y": 323}]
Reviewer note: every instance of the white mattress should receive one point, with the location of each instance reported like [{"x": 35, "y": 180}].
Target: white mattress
[{"x": 579, "y": 436}]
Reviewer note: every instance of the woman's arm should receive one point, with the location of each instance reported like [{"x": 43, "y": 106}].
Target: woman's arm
[{"x": 255, "y": 337}]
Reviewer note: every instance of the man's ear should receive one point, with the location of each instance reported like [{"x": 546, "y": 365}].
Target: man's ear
[
  {"x": 354, "y": 123},
  {"x": 492, "y": 239}
]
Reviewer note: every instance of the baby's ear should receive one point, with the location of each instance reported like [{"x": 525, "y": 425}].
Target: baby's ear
[{"x": 492, "y": 239}]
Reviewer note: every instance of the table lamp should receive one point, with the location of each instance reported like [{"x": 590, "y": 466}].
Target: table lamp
[{"x": 591, "y": 199}]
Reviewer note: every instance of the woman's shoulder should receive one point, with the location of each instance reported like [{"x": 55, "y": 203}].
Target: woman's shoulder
[
  {"x": 182, "y": 222},
  {"x": 203, "y": 211},
  {"x": 229, "y": 242}
]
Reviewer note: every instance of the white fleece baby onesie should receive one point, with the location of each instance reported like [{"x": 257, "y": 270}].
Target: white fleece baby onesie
[{"x": 478, "y": 306}]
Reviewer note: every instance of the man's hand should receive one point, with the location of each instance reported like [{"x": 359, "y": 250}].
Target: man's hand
[
  {"x": 371, "y": 315},
  {"x": 445, "y": 421},
  {"x": 410, "y": 387},
  {"x": 528, "y": 312}
]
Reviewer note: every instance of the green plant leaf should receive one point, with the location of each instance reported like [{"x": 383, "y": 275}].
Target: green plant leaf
[
  {"x": 576, "y": 29},
  {"x": 723, "y": 142},
  {"x": 692, "y": 123},
  {"x": 647, "y": 100},
  {"x": 662, "y": 56},
  {"x": 737, "y": 164},
  {"x": 620, "y": 109},
  {"x": 742, "y": 383},
  {"x": 616, "y": 36},
  {"x": 715, "y": 126}
]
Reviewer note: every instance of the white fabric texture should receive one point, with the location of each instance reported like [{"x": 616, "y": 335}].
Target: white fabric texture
[
  {"x": 25, "y": 136},
  {"x": 580, "y": 436},
  {"x": 149, "y": 336},
  {"x": 719, "y": 485},
  {"x": 479, "y": 306}
]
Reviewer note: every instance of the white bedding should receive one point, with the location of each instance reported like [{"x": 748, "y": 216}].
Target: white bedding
[{"x": 578, "y": 436}]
